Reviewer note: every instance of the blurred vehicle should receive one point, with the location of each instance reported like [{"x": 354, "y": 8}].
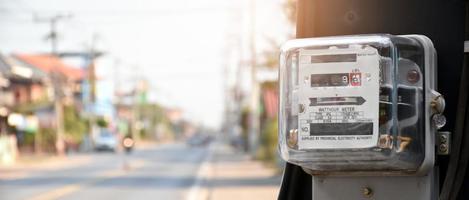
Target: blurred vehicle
[
  {"x": 105, "y": 140},
  {"x": 128, "y": 144},
  {"x": 199, "y": 139}
]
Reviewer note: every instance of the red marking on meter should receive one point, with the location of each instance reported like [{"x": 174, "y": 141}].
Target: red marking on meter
[{"x": 356, "y": 79}]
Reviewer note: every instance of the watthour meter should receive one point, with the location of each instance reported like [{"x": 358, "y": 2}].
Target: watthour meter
[{"x": 359, "y": 104}]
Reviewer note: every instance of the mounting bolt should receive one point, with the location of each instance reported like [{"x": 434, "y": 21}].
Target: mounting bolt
[
  {"x": 413, "y": 76},
  {"x": 367, "y": 192},
  {"x": 437, "y": 103},
  {"x": 443, "y": 142},
  {"x": 443, "y": 147},
  {"x": 443, "y": 139}
]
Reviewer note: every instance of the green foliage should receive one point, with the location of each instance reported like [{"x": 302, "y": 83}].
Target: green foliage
[
  {"x": 153, "y": 112},
  {"x": 30, "y": 107},
  {"x": 245, "y": 127},
  {"x": 152, "y": 115},
  {"x": 75, "y": 126},
  {"x": 143, "y": 134},
  {"x": 28, "y": 139},
  {"x": 268, "y": 148},
  {"x": 47, "y": 139},
  {"x": 101, "y": 122}
]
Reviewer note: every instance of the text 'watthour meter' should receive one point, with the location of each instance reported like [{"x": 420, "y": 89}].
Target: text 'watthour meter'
[{"x": 359, "y": 104}]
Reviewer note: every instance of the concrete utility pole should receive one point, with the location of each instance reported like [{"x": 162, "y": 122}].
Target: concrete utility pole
[
  {"x": 56, "y": 81},
  {"x": 139, "y": 89},
  {"x": 92, "y": 85},
  {"x": 254, "y": 104},
  {"x": 92, "y": 68}
]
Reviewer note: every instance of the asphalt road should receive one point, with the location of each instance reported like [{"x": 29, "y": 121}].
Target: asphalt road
[{"x": 161, "y": 172}]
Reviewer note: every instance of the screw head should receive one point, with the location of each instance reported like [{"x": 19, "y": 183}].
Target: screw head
[
  {"x": 367, "y": 192},
  {"x": 302, "y": 108},
  {"x": 413, "y": 76},
  {"x": 443, "y": 148},
  {"x": 443, "y": 139}
]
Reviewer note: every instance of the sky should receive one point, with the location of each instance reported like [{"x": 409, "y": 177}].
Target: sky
[{"x": 183, "y": 48}]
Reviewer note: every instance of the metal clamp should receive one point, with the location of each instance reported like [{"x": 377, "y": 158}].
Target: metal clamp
[{"x": 443, "y": 142}]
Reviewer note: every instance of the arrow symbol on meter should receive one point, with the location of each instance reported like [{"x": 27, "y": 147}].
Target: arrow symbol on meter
[{"x": 333, "y": 101}]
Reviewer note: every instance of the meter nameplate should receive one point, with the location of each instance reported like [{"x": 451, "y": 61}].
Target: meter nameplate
[{"x": 339, "y": 91}]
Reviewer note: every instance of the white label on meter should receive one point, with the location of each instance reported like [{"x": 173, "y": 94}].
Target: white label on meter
[{"x": 339, "y": 98}]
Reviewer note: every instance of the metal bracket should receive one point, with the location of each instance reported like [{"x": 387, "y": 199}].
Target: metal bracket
[
  {"x": 443, "y": 142},
  {"x": 375, "y": 187}
]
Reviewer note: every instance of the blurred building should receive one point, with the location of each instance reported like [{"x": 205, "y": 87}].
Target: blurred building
[
  {"x": 24, "y": 94},
  {"x": 24, "y": 90},
  {"x": 29, "y": 84},
  {"x": 70, "y": 78},
  {"x": 26, "y": 83}
]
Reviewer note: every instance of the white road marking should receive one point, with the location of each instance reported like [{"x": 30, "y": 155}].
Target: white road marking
[{"x": 197, "y": 191}]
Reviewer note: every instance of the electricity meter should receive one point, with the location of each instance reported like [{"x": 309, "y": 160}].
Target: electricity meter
[{"x": 362, "y": 104}]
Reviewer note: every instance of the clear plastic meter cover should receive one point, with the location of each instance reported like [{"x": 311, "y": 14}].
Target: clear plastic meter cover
[{"x": 353, "y": 103}]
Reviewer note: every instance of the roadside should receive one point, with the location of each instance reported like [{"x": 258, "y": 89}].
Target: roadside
[
  {"x": 229, "y": 174},
  {"x": 27, "y": 164},
  {"x": 225, "y": 173},
  {"x": 164, "y": 171}
]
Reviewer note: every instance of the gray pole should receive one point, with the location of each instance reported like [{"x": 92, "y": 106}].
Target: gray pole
[
  {"x": 57, "y": 84},
  {"x": 254, "y": 104}
]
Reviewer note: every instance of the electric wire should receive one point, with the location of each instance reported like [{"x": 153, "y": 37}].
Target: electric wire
[{"x": 460, "y": 151}]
